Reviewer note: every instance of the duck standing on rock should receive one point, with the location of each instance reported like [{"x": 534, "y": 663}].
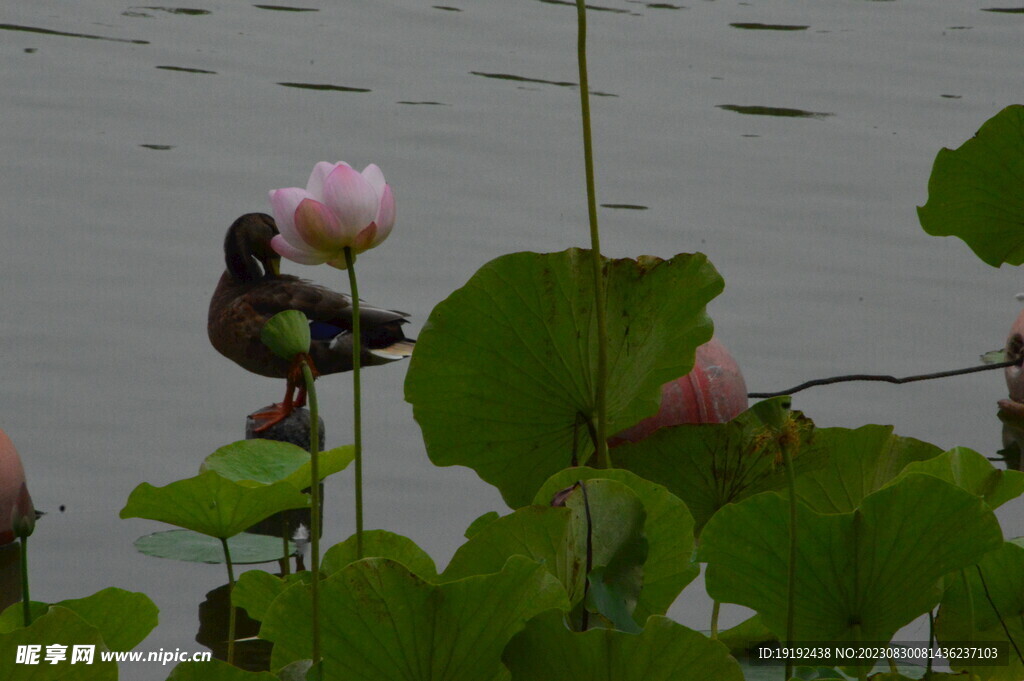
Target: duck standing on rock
[{"x": 252, "y": 290}]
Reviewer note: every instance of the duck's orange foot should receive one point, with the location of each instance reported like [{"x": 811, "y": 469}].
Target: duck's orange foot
[{"x": 268, "y": 418}]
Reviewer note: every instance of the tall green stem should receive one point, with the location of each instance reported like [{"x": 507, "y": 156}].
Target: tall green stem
[
  {"x": 715, "y": 609},
  {"x": 357, "y": 422},
  {"x": 314, "y": 516},
  {"x": 231, "y": 605},
  {"x": 791, "y": 576},
  {"x": 600, "y": 379},
  {"x": 26, "y": 601}
]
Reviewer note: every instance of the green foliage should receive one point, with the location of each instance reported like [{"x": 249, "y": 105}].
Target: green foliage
[
  {"x": 984, "y": 603},
  {"x": 502, "y": 379},
  {"x": 194, "y": 547},
  {"x": 380, "y": 622},
  {"x": 265, "y": 462},
  {"x": 968, "y": 469},
  {"x": 286, "y": 334},
  {"x": 123, "y": 618},
  {"x": 859, "y": 575},
  {"x": 668, "y": 528},
  {"x": 857, "y": 463},
  {"x": 709, "y": 466},
  {"x": 255, "y": 590},
  {"x": 975, "y": 191},
  {"x": 211, "y": 504},
  {"x": 382, "y": 544},
  {"x": 546, "y": 650},
  {"x": 62, "y": 625}
]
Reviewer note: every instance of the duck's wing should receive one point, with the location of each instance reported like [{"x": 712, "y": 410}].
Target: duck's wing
[{"x": 326, "y": 309}]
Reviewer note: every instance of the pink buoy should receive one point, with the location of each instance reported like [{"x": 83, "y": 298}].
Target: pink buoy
[{"x": 713, "y": 392}]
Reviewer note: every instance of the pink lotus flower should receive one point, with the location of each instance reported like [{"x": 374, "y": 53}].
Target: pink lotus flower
[
  {"x": 339, "y": 208},
  {"x": 17, "y": 515}
]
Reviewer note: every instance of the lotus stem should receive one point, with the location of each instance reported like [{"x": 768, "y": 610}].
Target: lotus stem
[
  {"x": 791, "y": 570},
  {"x": 314, "y": 516},
  {"x": 600, "y": 379},
  {"x": 231, "y": 605},
  {"x": 715, "y": 609},
  {"x": 26, "y": 601},
  {"x": 357, "y": 423}
]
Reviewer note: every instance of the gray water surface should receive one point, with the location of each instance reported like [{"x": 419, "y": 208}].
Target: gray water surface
[{"x": 790, "y": 141}]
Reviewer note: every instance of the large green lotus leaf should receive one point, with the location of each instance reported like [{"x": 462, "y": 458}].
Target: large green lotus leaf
[
  {"x": 124, "y": 618},
  {"x": 709, "y": 466},
  {"x": 859, "y": 461},
  {"x": 879, "y": 565},
  {"x": 610, "y": 516},
  {"x": 502, "y": 379},
  {"x": 58, "y": 626},
  {"x": 546, "y": 650},
  {"x": 270, "y": 461},
  {"x": 255, "y": 590},
  {"x": 245, "y": 548},
  {"x": 976, "y": 610},
  {"x": 380, "y": 622},
  {"x": 977, "y": 191},
  {"x": 668, "y": 527},
  {"x": 13, "y": 616},
  {"x": 970, "y": 470},
  {"x": 216, "y": 669},
  {"x": 541, "y": 533},
  {"x": 382, "y": 544},
  {"x": 748, "y": 633},
  {"x": 211, "y": 504}
]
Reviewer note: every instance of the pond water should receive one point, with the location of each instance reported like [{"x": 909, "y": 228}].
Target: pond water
[{"x": 790, "y": 141}]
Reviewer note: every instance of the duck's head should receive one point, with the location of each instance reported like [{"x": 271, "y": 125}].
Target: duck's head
[{"x": 247, "y": 250}]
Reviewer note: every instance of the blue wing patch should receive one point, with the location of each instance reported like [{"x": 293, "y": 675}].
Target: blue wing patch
[{"x": 323, "y": 331}]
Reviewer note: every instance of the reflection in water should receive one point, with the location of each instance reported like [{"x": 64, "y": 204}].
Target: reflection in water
[
  {"x": 157, "y": 147},
  {"x": 423, "y": 103},
  {"x": 446, "y": 8},
  {"x": 185, "y": 69},
  {"x": 281, "y": 8},
  {"x": 1004, "y": 10},
  {"x": 592, "y": 8},
  {"x": 46, "y": 31},
  {"x": 524, "y": 79},
  {"x": 325, "y": 86},
  {"x": 176, "y": 10},
  {"x": 663, "y": 5},
  {"x": 772, "y": 111},
  {"x": 770, "y": 27},
  {"x": 624, "y": 206}
]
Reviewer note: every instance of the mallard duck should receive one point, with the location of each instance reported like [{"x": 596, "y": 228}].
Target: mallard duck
[{"x": 252, "y": 290}]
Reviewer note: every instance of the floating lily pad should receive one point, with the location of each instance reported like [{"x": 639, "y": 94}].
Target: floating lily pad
[
  {"x": 211, "y": 504},
  {"x": 61, "y": 625},
  {"x": 194, "y": 547},
  {"x": 860, "y": 575},
  {"x": 269, "y": 461},
  {"x": 976, "y": 192},
  {"x": 382, "y": 623},
  {"x": 382, "y": 544},
  {"x": 977, "y": 610},
  {"x": 546, "y": 650},
  {"x": 502, "y": 379}
]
